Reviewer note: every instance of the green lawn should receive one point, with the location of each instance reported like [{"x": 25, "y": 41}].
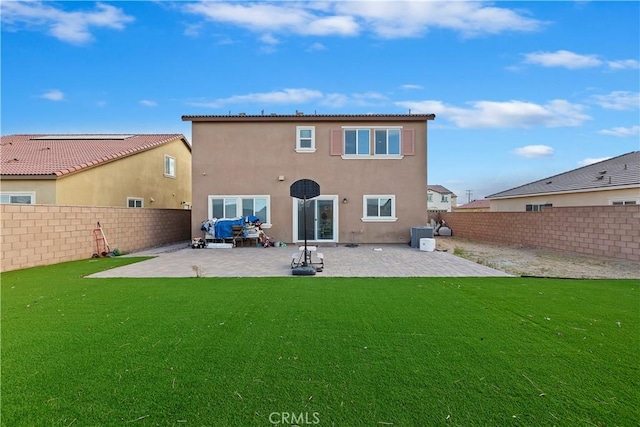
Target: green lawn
[{"x": 330, "y": 351}]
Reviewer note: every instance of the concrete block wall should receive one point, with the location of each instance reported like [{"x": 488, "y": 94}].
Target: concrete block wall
[
  {"x": 607, "y": 231},
  {"x": 32, "y": 235}
]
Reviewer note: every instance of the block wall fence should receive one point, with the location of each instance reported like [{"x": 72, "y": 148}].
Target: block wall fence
[
  {"x": 33, "y": 235},
  {"x": 602, "y": 231}
]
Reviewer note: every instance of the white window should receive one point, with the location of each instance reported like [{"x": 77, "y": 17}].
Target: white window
[
  {"x": 445, "y": 198},
  {"x": 305, "y": 139},
  {"x": 379, "y": 208},
  {"x": 357, "y": 142},
  {"x": 618, "y": 202},
  {"x": 169, "y": 166},
  {"x": 429, "y": 197},
  {"x": 135, "y": 202},
  {"x": 387, "y": 142},
  {"x": 537, "y": 208},
  {"x": 24, "y": 197},
  {"x": 240, "y": 206},
  {"x": 374, "y": 142}
]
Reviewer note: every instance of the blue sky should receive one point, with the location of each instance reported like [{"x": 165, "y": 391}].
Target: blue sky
[{"x": 521, "y": 90}]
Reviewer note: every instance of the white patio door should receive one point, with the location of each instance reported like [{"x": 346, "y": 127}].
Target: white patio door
[{"x": 321, "y": 219}]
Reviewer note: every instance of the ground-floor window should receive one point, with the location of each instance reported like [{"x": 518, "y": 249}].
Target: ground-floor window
[
  {"x": 24, "y": 197},
  {"x": 379, "y": 208},
  {"x": 537, "y": 208},
  {"x": 135, "y": 202},
  {"x": 624, "y": 202},
  {"x": 236, "y": 206}
]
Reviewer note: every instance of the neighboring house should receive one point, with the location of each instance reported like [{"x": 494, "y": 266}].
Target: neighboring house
[
  {"x": 440, "y": 199},
  {"x": 474, "y": 206},
  {"x": 138, "y": 171},
  {"x": 615, "y": 181},
  {"x": 371, "y": 170}
]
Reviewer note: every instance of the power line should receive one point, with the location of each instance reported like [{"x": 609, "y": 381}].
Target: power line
[{"x": 469, "y": 194}]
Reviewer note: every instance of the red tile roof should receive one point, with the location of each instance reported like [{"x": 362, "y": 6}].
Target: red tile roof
[
  {"x": 58, "y": 155},
  {"x": 476, "y": 204}
]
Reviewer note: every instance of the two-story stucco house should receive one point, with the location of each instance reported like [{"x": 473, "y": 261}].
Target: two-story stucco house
[
  {"x": 440, "y": 199},
  {"x": 371, "y": 170}
]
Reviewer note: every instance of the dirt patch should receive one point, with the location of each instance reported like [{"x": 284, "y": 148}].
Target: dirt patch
[{"x": 525, "y": 261}]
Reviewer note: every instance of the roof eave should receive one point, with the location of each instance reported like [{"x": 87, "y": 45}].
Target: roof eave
[
  {"x": 549, "y": 193},
  {"x": 51, "y": 176},
  {"x": 306, "y": 118}
]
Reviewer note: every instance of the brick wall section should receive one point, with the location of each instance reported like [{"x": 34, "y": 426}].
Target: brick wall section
[
  {"x": 607, "y": 231},
  {"x": 33, "y": 235}
]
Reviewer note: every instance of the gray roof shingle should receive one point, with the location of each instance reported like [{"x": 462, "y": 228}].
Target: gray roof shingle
[
  {"x": 620, "y": 171},
  {"x": 439, "y": 189}
]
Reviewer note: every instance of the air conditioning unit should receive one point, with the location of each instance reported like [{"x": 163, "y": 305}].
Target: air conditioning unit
[{"x": 417, "y": 233}]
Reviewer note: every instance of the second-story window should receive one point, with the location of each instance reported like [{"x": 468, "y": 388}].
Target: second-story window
[
  {"x": 369, "y": 142},
  {"x": 169, "y": 166},
  {"x": 445, "y": 198},
  {"x": 356, "y": 142},
  {"x": 387, "y": 141},
  {"x": 305, "y": 139}
]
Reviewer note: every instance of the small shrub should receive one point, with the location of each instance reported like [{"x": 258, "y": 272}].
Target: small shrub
[{"x": 198, "y": 270}]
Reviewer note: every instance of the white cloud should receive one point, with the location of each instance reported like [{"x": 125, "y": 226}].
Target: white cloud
[
  {"x": 410, "y": 86},
  {"x": 618, "y": 100},
  {"x": 534, "y": 151},
  {"x": 622, "y": 131},
  {"x": 71, "y": 27},
  {"x": 509, "y": 114},
  {"x": 316, "y": 47},
  {"x": 284, "y": 17},
  {"x": 269, "y": 39},
  {"x": 622, "y": 64},
  {"x": 410, "y": 19},
  {"x": 383, "y": 18},
  {"x": 335, "y": 100},
  {"x": 148, "y": 103},
  {"x": 53, "y": 95},
  {"x": 592, "y": 160},
  {"x": 563, "y": 58},
  {"x": 297, "y": 97},
  {"x": 574, "y": 61},
  {"x": 368, "y": 98},
  {"x": 283, "y": 97},
  {"x": 192, "y": 29}
]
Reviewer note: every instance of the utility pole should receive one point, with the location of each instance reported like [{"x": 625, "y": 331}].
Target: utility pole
[{"x": 469, "y": 194}]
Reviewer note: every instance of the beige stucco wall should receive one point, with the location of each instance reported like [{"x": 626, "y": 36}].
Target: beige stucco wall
[
  {"x": 248, "y": 158},
  {"x": 45, "y": 190},
  {"x": 140, "y": 175},
  {"x": 592, "y": 198}
]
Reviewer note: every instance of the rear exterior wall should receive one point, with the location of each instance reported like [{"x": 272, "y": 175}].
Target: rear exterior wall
[{"x": 248, "y": 159}]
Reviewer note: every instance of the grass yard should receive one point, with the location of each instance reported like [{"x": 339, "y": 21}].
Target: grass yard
[{"x": 316, "y": 351}]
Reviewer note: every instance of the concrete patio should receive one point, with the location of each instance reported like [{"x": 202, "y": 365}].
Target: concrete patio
[{"x": 362, "y": 261}]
